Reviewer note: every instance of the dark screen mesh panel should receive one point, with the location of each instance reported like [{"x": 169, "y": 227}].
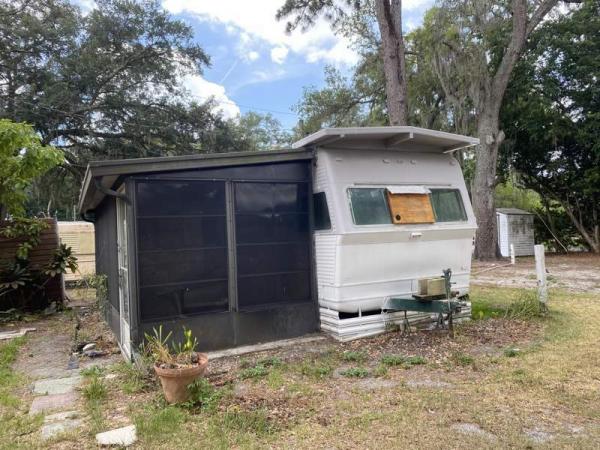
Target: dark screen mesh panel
[
  {"x": 180, "y": 198},
  {"x": 182, "y": 248},
  {"x": 273, "y": 242}
]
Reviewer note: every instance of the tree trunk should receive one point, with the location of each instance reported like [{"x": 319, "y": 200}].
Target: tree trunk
[
  {"x": 484, "y": 204},
  {"x": 389, "y": 19},
  {"x": 593, "y": 243}
]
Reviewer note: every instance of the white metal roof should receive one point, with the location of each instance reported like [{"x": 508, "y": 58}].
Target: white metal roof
[
  {"x": 394, "y": 138},
  {"x": 513, "y": 211}
]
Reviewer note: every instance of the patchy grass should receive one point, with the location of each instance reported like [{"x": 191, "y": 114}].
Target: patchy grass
[
  {"x": 404, "y": 361},
  {"x": 17, "y": 426},
  {"x": 257, "y": 371},
  {"x": 356, "y": 372},
  {"x": 132, "y": 379},
  {"x": 157, "y": 423},
  {"x": 353, "y": 356},
  {"x": 477, "y": 379},
  {"x": 95, "y": 393},
  {"x": 8, "y": 378}
]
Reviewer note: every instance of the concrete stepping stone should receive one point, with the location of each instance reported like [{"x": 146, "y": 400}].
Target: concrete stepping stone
[
  {"x": 53, "y": 402},
  {"x": 124, "y": 437},
  {"x": 58, "y": 417},
  {"x": 56, "y": 386},
  {"x": 52, "y": 429}
]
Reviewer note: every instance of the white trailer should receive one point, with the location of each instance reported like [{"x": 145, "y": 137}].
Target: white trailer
[{"x": 391, "y": 208}]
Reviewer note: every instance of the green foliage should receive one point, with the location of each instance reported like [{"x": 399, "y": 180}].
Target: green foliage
[
  {"x": 95, "y": 390},
  {"x": 133, "y": 379},
  {"x": 21, "y": 286},
  {"x": 27, "y": 230},
  {"x": 404, "y": 361},
  {"x": 22, "y": 159},
  {"x": 551, "y": 120},
  {"x": 178, "y": 353},
  {"x": 316, "y": 369},
  {"x": 355, "y": 372},
  {"x": 511, "y": 352},
  {"x": 159, "y": 423},
  {"x": 107, "y": 84},
  {"x": 462, "y": 359},
  {"x": 255, "y": 422},
  {"x": 510, "y": 195},
  {"x": 205, "y": 395},
  {"x": 257, "y": 371},
  {"x": 62, "y": 260},
  {"x": 521, "y": 304},
  {"x": 354, "y": 356}
]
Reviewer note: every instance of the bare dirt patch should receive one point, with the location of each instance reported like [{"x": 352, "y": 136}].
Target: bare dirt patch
[{"x": 577, "y": 272}]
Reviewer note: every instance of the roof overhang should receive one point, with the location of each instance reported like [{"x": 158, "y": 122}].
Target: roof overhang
[
  {"x": 389, "y": 138},
  {"x": 103, "y": 177}
]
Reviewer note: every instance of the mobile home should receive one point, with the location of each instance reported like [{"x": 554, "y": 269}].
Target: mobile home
[
  {"x": 391, "y": 208},
  {"x": 251, "y": 247}
]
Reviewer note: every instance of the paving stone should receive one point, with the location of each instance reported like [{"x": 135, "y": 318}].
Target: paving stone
[
  {"x": 57, "y": 417},
  {"x": 52, "y": 429},
  {"x": 53, "y": 402},
  {"x": 120, "y": 436},
  {"x": 56, "y": 386}
]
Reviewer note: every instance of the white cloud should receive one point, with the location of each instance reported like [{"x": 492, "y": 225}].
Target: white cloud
[
  {"x": 252, "y": 56},
  {"x": 259, "y": 23},
  {"x": 278, "y": 54},
  {"x": 203, "y": 90}
]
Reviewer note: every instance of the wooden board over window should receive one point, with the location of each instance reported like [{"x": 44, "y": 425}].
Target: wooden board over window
[{"x": 410, "y": 208}]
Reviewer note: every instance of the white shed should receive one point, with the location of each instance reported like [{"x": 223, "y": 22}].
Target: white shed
[{"x": 515, "y": 226}]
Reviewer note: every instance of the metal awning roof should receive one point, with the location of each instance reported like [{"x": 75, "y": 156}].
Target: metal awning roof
[
  {"x": 103, "y": 176},
  {"x": 513, "y": 212},
  {"x": 393, "y": 138}
]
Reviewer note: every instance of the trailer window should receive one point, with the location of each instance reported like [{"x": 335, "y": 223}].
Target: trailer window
[
  {"x": 321, "y": 212},
  {"x": 410, "y": 208},
  {"x": 369, "y": 206},
  {"x": 448, "y": 205}
]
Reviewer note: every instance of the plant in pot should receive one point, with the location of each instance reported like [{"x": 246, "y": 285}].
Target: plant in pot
[{"x": 177, "y": 366}]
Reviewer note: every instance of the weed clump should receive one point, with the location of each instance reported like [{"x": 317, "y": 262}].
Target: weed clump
[
  {"x": 356, "y": 372},
  {"x": 351, "y": 356},
  {"x": 404, "y": 361}
]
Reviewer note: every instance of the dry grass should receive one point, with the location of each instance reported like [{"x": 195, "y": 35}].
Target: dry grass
[{"x": 506, "y": 380}]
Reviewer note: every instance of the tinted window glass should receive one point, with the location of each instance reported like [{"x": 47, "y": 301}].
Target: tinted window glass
[
  {"x": 448, "y": 205},
  {"x": 369, "y": 206},
  {"x": 321, "y": 211}
]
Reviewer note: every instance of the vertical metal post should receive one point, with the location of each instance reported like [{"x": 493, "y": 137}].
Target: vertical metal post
[
  {"x": 540, "y": 269},
  {"x": 512, "y": 254},
  {"x": 231, "y": 245}
]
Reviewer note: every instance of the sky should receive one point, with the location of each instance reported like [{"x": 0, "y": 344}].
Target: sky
[{"x": 255, "y": 65}]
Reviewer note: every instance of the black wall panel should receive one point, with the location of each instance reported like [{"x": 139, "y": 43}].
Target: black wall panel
[{"x": 105, "y": 228}]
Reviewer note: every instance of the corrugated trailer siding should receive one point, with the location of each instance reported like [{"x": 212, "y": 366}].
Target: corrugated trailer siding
[
  {"x": 106, "y": 257},
  {"x": 40, "y": 256},
  {"x": 325, "y": 241}
]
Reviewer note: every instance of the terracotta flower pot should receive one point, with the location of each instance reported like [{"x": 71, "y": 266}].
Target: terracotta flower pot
[{"x": 175, "y": 382}]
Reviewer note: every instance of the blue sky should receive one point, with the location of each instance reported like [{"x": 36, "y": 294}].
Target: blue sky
[{"x": 255, "y": 65}]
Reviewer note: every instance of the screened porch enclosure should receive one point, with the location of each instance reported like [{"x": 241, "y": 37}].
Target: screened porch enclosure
[{"x": 226, "y": 252}]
